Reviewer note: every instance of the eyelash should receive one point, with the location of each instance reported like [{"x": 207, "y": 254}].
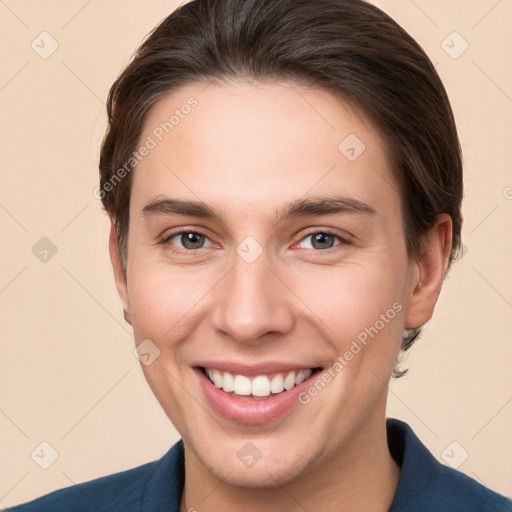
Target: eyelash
[{"x": 167, "y": 238}]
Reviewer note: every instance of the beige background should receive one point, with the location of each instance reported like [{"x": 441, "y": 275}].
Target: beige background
[{"x": 67, "y": 371}]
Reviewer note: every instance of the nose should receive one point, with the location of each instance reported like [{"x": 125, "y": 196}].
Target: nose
[{"x": 252, "y": 302}]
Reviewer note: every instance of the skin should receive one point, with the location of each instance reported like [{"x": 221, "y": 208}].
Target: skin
[{"x": 248, "y": 150}]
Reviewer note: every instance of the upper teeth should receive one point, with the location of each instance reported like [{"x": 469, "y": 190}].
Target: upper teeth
[{"x": 260, "y": 385}]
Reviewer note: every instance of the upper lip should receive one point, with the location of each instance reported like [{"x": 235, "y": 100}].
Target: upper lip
[{"x": 239, "y": 368}]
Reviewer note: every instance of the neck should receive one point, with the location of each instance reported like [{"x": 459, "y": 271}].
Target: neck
[{"x": 362, "y": 475}]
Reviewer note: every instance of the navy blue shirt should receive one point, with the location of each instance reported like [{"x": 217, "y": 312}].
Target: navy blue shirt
[{"x": 425, "y": 485}]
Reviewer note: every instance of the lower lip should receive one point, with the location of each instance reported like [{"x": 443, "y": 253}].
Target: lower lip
[{"x": 248, "y": 411}]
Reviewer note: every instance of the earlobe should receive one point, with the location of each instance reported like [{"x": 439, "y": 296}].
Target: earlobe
[
  {"x": 119, "y": 276},
  {"x": 428, "y": 272}
]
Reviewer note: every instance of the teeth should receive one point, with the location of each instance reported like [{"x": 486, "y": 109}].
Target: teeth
[
  {"x": 289, "y": 382},
  {"x": 217, "y": 378},
  {"x": 277, "y": 384},
  {"x": 228, "y": 382},
  {"x": 242, "y": 385},
  {"x": 260, "y": 385}
]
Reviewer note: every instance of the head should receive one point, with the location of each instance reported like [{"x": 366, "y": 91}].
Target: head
[{"x": 297, "y": 123}]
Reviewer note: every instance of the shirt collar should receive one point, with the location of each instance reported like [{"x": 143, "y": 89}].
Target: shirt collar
[
  {"x": 419, "y": 469},
  {"x": 418, "y": 466}
]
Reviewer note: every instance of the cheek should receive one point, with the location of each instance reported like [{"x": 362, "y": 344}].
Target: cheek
[
  {"x": 162, "y": 310},
  {"x": 359, "y": 310},
  {"x": 350, "y": 298},
  {"x": 161, "y": 305}
]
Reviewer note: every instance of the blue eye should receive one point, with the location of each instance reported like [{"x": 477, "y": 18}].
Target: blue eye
[
  {"x": 190, "y": 240},
  {"x": 321, "y": 240}
]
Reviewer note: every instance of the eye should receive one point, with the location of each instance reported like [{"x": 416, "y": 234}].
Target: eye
[
  {"x": 321, "y": 240},
  {"x": 189, "y": 241}
]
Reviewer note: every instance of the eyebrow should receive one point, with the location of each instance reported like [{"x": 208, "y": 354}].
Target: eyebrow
[{"x": 309, "y": 206}]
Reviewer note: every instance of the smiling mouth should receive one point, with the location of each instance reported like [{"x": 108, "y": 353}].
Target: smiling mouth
[{"x": 257, "y": 386}]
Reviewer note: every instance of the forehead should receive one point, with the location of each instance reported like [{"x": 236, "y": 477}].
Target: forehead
[{"x": 255, "y": 142}]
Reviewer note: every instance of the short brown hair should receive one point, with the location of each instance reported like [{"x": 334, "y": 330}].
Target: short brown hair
[{"x": 347, "y": 47}]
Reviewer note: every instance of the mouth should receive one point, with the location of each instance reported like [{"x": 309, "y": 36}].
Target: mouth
[{"x": 257, "y": 387}]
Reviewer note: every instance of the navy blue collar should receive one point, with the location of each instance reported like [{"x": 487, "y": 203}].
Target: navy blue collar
[
  {"x": 424, "y": 485},
  {"x": 427, "y": 485}
]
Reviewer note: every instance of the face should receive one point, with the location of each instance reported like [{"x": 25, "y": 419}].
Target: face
[{"x": 291, "y": 257}]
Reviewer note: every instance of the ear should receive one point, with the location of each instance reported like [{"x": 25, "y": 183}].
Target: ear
[
  {"x": 119, "y": 277},
  {"x": 426, "y": 275}
]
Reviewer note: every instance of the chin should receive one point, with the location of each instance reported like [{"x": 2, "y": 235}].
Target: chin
[
  {"x": 264, "y": 477},
  {"x": 267, "y": 473}
]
